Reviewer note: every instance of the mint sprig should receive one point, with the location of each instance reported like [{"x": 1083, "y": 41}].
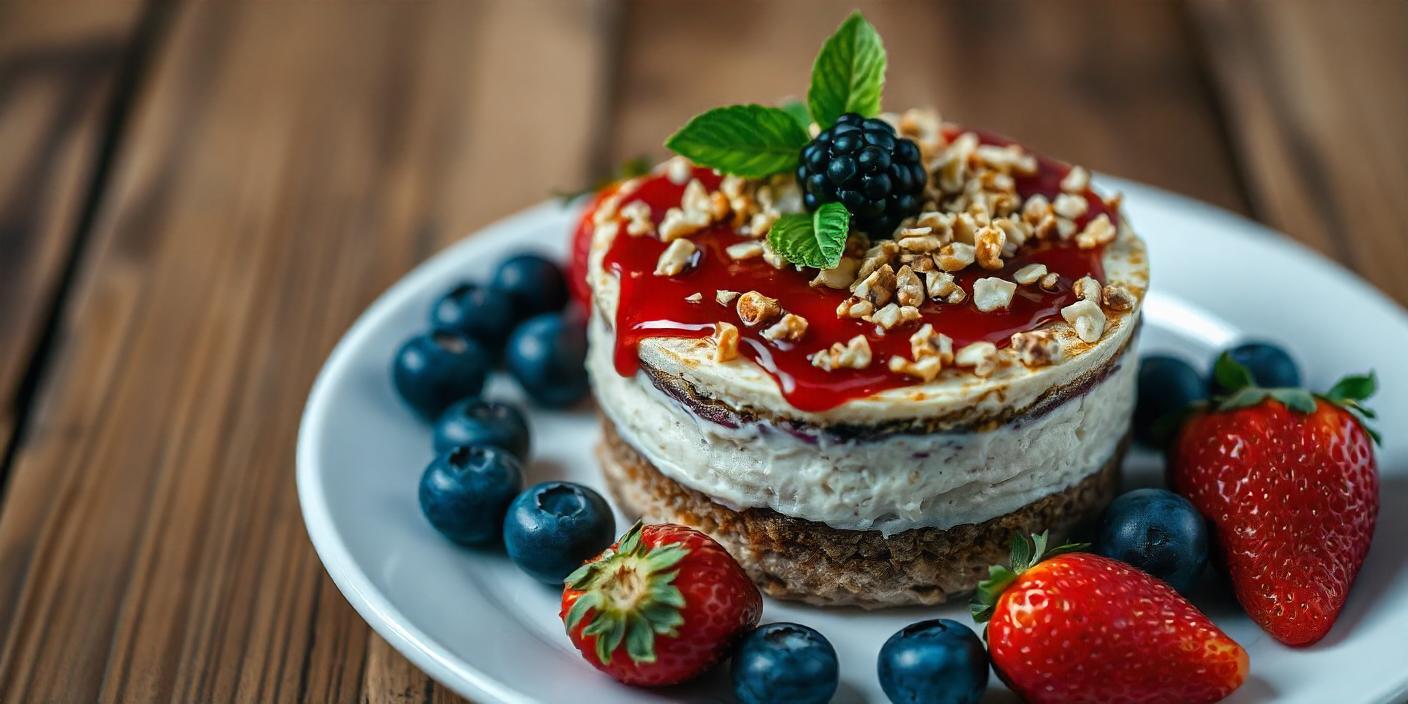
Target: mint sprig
[
  {"x": 849, "y": 73},
  {"x": 812, "y": 239},
  {"x": 752, "y": 141}
]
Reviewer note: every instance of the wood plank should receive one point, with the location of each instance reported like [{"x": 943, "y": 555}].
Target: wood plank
[
  {"x": 285, "y": 164},
  {"x": 1110, "y": 85},
  {"x": 59, "y": 68},
  {"x": 1317, "y": 100}
]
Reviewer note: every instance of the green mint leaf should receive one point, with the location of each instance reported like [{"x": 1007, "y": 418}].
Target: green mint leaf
[
  {"x": 1231, "y": 375},
  {"x": 751, "y": 141},
  {"x": 798, "y": 111},
  {"x": 849, "y": 73},
  {"x": 1356, "y": 387},
  {"x": 816, "y": 240}
]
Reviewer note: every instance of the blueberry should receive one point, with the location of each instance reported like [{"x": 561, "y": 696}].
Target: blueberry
[
  {"x": 1271, "y": 366},
  {"x": 476, "y": 311},
  {"x": 547, "y": 355},
  {"x": 936, "y": 662},
  {"x": 534, "y": 283},
  {"x": 476, "y": 421},
  {"x": 1158, "y": 532},
  {"x": 433, "y": 370},
  {"x": 1167, "y": 385},
  {"x": 465, "y": 492},
  {"x": 553, "y": 527},
  {"x": 785, "y": 662}
]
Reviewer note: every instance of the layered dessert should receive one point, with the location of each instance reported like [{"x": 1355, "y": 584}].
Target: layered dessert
[{"x": 872, "y": 433}]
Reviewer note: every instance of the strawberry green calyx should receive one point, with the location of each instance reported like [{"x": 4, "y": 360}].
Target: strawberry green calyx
[
  {"x": 1349, "y": 393},
  {"x": 628, "y": 595},
  {"x": 1026, "y": 553}
]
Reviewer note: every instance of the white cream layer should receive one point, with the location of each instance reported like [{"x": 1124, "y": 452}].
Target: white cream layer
[{"x": 891, "y": 484}]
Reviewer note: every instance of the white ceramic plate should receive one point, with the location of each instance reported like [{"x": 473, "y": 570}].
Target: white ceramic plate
[{"x": 474, "y": 623}]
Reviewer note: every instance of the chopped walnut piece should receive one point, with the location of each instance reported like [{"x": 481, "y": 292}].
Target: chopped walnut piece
[
  {"x": 855, "y": 354},
  {"x": 694, "y": 297},
  {"x": 939, "y": 284},
  {"x": 637, "y": 216},
  {"x": 987, "y": 247},
  {"x": 790, "y": 328},
  {"x": 854, "y": 307},
  {"x": 770, "y": 255},
  {"x": 1087, "y": 318},
  {"x": 909, "y": 290},
  {"x": 1076, "y": 180},
  {"x": 940, "y": 224},
  {"x": 606, "y": 210},
  {"x": 744, "y": 250},
  {"x": 1048, "y": 228},
  {"x": 679, "y": 170},
  {"x": 1070, "y": 206},
  {"x": 923, "y": 265},
  {"x": 877, "y": 288},
  {"x": 1087, "y": 289},
  {"x": 965, "y": 228},
  {"x": 1029, "y": 274},
  {"x": 724, "y": 296},
  {"x": 761, "y": 222},
  {"x": 991, "y": 293},
  {"x": 1036, "y": 348},
  {"x": 725, "y": 342},
  {"x": 955, "y": 256},
  {"x": 928, "y": 343},
  {"x": 696, "y": 198},
  {"x": 1065, "y": 228},
  {"x": 1117, "y": 297},
  {"x": 1097, "y": 232},
  {"x": 755, "y": 309},
  {"x": 924, "y": 369},
  {"x": 876, "y": 257},
  {"x": 1114, "y": 201},
  {"x": 679, "y": 223},
  {"x": 840, "y": 276},
  {"x": 1050, "y": 281},
  {"x": 894, "y": 314},
  {"x": 676, "y": 258},
  {"x": 981, "y": 357},
  {"x": 1015, "y": 232},
  {"x": 1035, "y": 210},
  {"x": 952, "y": 162}
]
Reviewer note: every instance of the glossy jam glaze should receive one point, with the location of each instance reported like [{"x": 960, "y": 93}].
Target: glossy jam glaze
[{"x": 656, "y": 306}]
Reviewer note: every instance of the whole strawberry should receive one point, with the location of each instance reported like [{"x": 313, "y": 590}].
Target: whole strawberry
[
  {"x": 1073, "y": 627},
  {"x": 659, "y": 607},
  {"x": 1289, "y": 481}
]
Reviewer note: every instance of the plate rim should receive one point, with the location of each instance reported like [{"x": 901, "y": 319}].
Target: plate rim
[{"x": 463, "y": 677}]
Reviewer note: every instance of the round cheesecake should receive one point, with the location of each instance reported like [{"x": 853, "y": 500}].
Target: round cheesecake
[{"x": 871, "y": 434}]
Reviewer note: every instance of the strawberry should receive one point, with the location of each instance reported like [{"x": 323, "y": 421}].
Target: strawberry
[
  {"x": 660, "y": 606},
  {"x": 1072, "y": 627},
  {"x": 1289, "y": 482}
]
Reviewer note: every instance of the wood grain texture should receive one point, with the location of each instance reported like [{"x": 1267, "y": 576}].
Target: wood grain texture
[
  {"x": 1110, "y": 85},
  {"x": 1317, "y": 102},
  {"x": 285, "y": 163},
  {"x": 59, "y": 70}
]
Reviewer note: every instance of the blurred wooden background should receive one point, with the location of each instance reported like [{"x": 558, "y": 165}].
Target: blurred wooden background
[{"x": 197, "y": 199}]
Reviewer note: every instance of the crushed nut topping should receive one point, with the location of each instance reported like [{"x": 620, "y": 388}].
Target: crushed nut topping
[
  {"x": 1050, "y": 281},
  {"x": 855, "y": 307},
  {"x": 676, "y": 258},
  {"x": 991, "y": 293},
  {"x": 878, "y": 287},
  {"x": 1097, "y": 232},
  {"x": 744, "y": 250},
  {"x": 725, "y": 342},
  {"x": 790, "y": 328},
  {"x": 988, "y": 244},
  {"x": 755, "y": 309},
  {"x": 1117, "y": 297},
  {"x": 774, "y": 260},
  {"x": 1087, "y": 288},
  {"x": 679, "y": 170},
  {"x": 724, "y": 296},
  {"x": 1070, "y": 206},
  {"x": 981, "y": 357},
  {"x": 1087, "y": 319},
  {"x": 1076, "y": 180},
  {"x": 637, "y": 216},
  {"x": 894, "y": 314},
  {"x": 924, "y": 369},
  {"x": 876, "y": 257},
  {"x": 926, "y": 342},
  {"x": 909, "y": 290},
  {"x": 694, "y": 297},
  {"x": 955, "y": 256},
  {"x": 1036, "y": 348},
  {"x": 855, "y": 354},
  {"x": 679, "y": 223},
  {"x": 1029, "y": 274},
  {"x": 839, "y": 277}
]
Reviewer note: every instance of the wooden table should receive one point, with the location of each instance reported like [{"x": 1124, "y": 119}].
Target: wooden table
[{"x": 197, "y": 199}]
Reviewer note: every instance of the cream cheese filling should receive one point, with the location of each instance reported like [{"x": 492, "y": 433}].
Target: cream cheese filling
[{"x": 891, "y": 484}]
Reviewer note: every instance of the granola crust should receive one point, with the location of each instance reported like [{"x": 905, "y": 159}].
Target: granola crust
[{"x": 800, "y": 560}]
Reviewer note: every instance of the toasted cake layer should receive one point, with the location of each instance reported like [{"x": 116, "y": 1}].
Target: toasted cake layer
[
  {"x": 889, "y": 477},
  {"x": 803, "y": 560}
]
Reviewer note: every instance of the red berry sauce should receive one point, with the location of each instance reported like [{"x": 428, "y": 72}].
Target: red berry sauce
[{"x": 655, "y": 306}]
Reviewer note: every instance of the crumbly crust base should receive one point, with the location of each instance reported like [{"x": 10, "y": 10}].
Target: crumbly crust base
[{"x": 800, "y": 560}]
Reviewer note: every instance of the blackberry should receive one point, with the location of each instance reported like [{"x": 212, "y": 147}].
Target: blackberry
[{"x": 863, "y": 165}]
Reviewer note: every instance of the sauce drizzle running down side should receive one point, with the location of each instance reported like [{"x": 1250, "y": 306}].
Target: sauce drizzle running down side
[{"x": 655, "y": 306}]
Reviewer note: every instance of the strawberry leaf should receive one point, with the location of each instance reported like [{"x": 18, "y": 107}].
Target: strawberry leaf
[
  {"x": 1231, "y": 374},
  {"x": 1298, "y": 400},
  {"x": 1027, "y": 552},
  {"x": 1355, "y": 387}
]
